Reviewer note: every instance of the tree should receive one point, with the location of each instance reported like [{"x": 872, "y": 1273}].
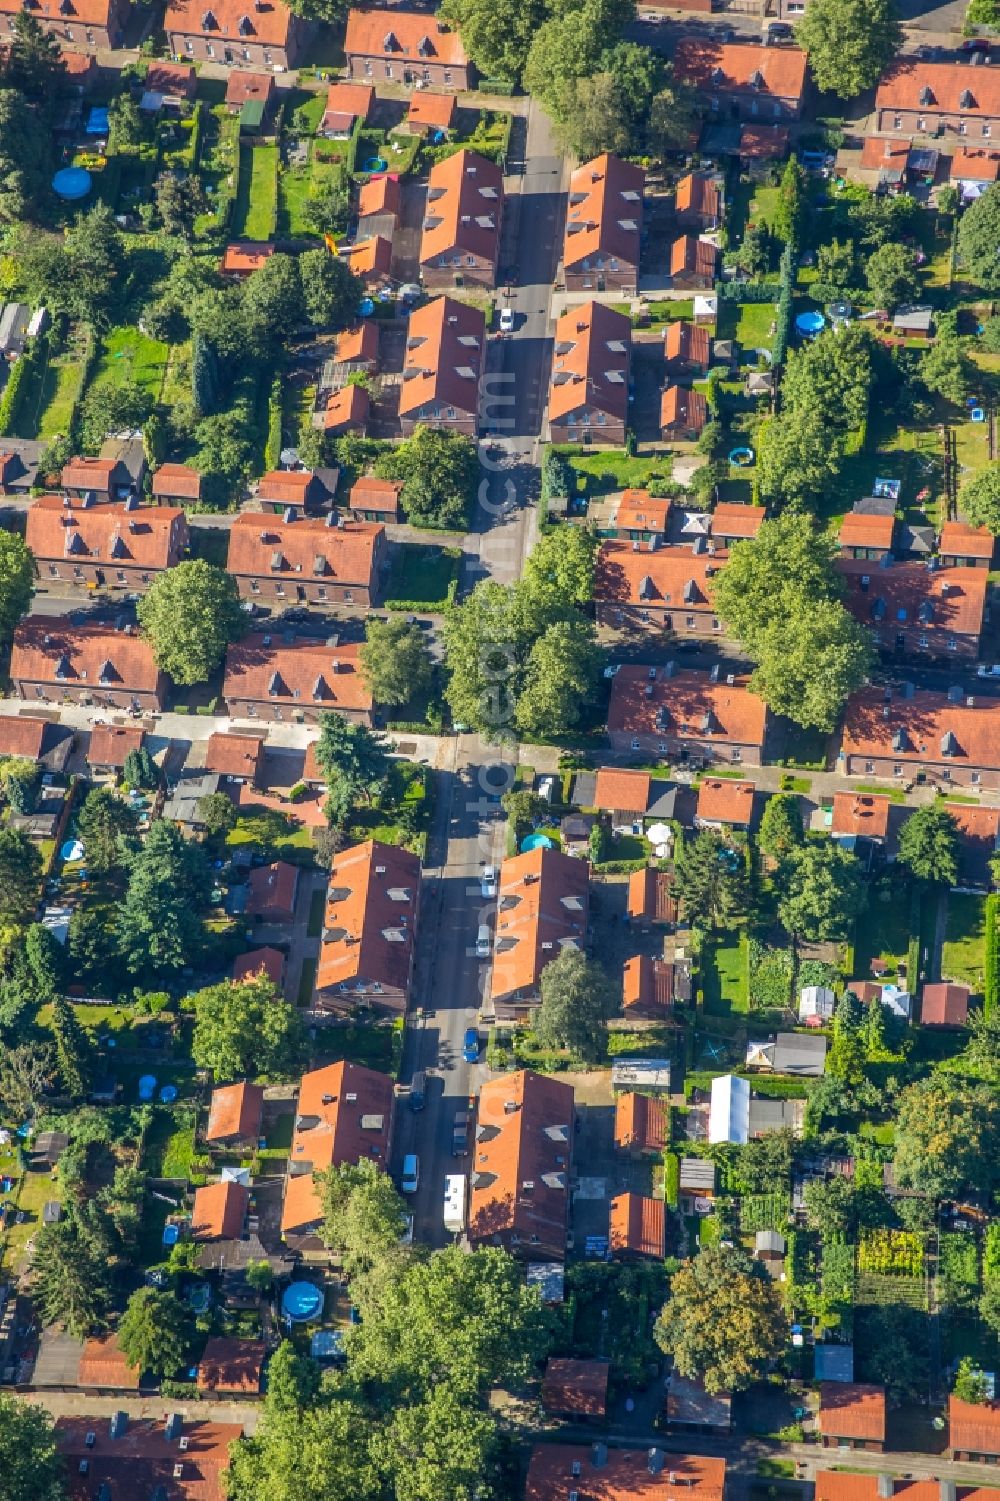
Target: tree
[
  {"x": 780, "y": 825},
  {"x": 395, "y": 663},
  {"x": 97, "y": 265},
  {"x": 989, "y": 1306},
  {"x": 569, "y": 46},
  {"x": 898, "y": 1355},
  {"x": 496, "y": 34},
  {"x": 947, "y": 369},
  {"x": 46, "y": 960},
  {"x": 159, "y": 926},
  {"x": 724, "y": 1323},
  {"x": 245, "y": 1029},
  {"x": 35, "y": 62},
  {"x": 272, "y": 300},
  {"x": 560, "y": 571},
  {"x": 179, "y": 201},
  {"x": 75, "y": 1053},
  {"x": 831, "y": 375},
  {"x": 107, "y": 824},
  {"x": 850, "y": 43},
  {"x": 26, "y": 1073},
  {"x": 24, "y": 156},
  {"x": 363, "y": 1215},
  {"x": 355, "y": 762},
  {"x": 190, "y": 614},
  {"x": 110, "y": 407},
  {"x": 331, "y": 12},
  {"x": 982, "y": 1050},
  {"x": 628, "y": 104},
  {"x": 439, "y": 471},
  {"x": 979, "y": 500},
  {"x": 710, "y": 879},
  {"x": 69, "y": 1282},
  {"x": 17, "y": 579},
  {"x": 796, "y": 457},
  {"x": 20, "y": 779},
  {"x": 259, "y": 1276},
  {"x": 30, "y": 1461},
  {"x": 218, "y": 813},
  {"x": 823, "y": 892},
  {"x": 947, "y": 1135},
  {"x": 438, "y": 1448},
  {"x": 20, "y": 876},
  {"x": 523, "y": 807},
  {"x": 93, "y": 945},
  {"x": 979, "y": 236},
  {"x": 140, "y": 769},
  {"x": 330, "y": 291},
  {"x": 155, "y": 1331},
  {"x": 891, "y": 275},
  {"x": 791, "y": 203},
  {"x": 835, "y": 264},
  {"x": 929, "y": 845},
  {"x": 306, "y": 1453},
  {"x": 830, "y": 1206},
  {"x": 560, "y": 677},
  {"x": 328, "y": 210},
  {"x": 576, "y": 1001},
  {"x": 971, "y": 1384}
]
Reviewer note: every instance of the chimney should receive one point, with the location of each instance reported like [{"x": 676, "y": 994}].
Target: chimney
[
  {"x": 886, "y": 1486},
  {"x": 599, "y": 1455}
]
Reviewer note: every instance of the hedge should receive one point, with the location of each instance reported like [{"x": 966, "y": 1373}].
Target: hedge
[
  {"x": 746, "y": 291},
  {"x": 991, "y": 961},
  {"x": 671, "y": 1178},
  {"x": 32, "y": 360},
  {"x": 272, "y": 451}
]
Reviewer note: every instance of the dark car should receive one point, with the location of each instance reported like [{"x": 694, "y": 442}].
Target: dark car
[{"x": 470, "y": 1046}]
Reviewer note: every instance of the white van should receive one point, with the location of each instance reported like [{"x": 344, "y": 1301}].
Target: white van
[
  {"x": 454, "y": 1203},
  {"x": 411, "y": 1173},
  {"x": 484, "y": 941}
]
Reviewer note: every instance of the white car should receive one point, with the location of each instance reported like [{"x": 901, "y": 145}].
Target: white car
[
  {"x": 985, "y": 671},
  {"x": 411, "y": 1173},
  {"x": 488, "y": 883},
  {"x": 507, "y": 320}
]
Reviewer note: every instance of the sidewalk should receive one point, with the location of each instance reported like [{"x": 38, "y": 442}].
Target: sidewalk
[{"x": 80, "y": 1405}]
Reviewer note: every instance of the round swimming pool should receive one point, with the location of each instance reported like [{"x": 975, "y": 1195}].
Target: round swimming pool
[
  {"x": 535, "y": 842},
  {"x": 810, "y": 324},
  {"x": 375, "y": 164},
  {"x": 71, "y": 183},
  {"x": 741, "y": 457},
  {"x": 301, "y": 1301}
]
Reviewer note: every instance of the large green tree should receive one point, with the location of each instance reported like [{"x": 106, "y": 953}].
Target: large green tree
[
  {"x": 979, "y": 499},
  {"x": 191, "y": 613},
  {"x": 70, "y": 1282},
  {"x": 24, "y": 157},
  {"x": 155, "y": 1331},
  {"x": 355, "y": 762},
  {"x": 439, "y": 471},
  {"x": 27, "y": 1072},
  {"x": 576, "y": 1000},
  {"x": 822, "y": 890},
  {"x": 159, "y": 925},
  {"x": 781, "y": 825},
  {"x": 979, "y": 236},
  {"x": 245, "y": 1029},
  {"x": 724, "y": 1322},
  {"x": 929, "y": 845},
  {"x": 629, "y": 104},
  {"x": 17, "y": 579},
  {"x": 30, "y": 1461},
  {"x": 315, "y": 1452},
  {"x": 560, "y": 676},
  {"x": 363, "y": 1215},
  {"x": 710, "y": 879},
  {"x": 75, "y": 1052},
  {"x": 496, "y": 34},
  {"x": 947, "y": 1137},
  {"x": 107, "y": 827},
  {"x": 20, "y": 876},
  {"x": 850, "y": 43},
  {"x": 330, "y": 290},
  {"x": 35, "y": 61},
  {"x": 395, "y": 663},
  {"x": 891, "y": 274},
  {"x": 97, "y": 266},
  {"x": 440, "y": 1447},
  {"x": 569, "y": 46}
]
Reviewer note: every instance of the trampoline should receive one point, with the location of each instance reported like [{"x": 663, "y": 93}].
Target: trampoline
[
  {"x": 535, "y": 842},
  {"x": 71, "y": 183},
  {"x": 147, "y": 1086},
  {"x": 810, "y": 324},
  {"x": 301, "y": 1301},
  {"x": 741, "y": 457},
  {"x": 71, "y": 850},
  {"x": 97, "y": 121},
  {"x": 375, "y": 164}
]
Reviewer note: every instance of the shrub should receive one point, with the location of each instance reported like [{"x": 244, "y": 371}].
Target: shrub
[
  {"x": 991, "y": 960},
  {"x": 771, "y": 973},
  {"x": 891, "y": 1253},
  {"x": 671, "y": 1178},
  {"x": 991, "y": 1253}
]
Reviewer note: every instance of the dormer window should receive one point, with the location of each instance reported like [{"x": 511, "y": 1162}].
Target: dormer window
[
  {"x": 966, "y": 100},
  {"x": 245, "y": 26},
  {"x": 389, "y": 42},
  {"x": 926, "y": 96}
]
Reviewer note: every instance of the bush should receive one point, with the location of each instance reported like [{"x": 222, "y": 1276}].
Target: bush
[
  {"x": 298, "y": 792},
  {"x": 771, "y": 972},
  {"x": 891, "y": 1253},
  {"x": 991, "y": 960},
  {"x": 671, "y": 1178},
  {"x": 991, "y": 1253}
]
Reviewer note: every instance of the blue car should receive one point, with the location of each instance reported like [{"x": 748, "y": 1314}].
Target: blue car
[{"x": 470, "y": 1047}]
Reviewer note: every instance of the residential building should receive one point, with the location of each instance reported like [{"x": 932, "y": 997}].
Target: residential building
[
  {"x": 374, "y": 499},
  {"x": 54, "y": 661},
  {"x": 667, "y": 589},
  {"x": 683, "y": 414},
  {"x": 294, "y": 679},
  {"x": 429, "y": 111},
  {"x": 344, "y": 1116},
  {"x": 802, "y": 1054},
  {"x": 723, "y": 803},
  {"x": 974, "y": 1431},
  {"x": 104, "y": 1368},
  {"x": 243, "y": 257},
  {"x": 923, "y": 736},
  {"x": 132, "y": 1457},
  {"x": 687, "y": 716},
  {"x": 650, "y": 986},
  {"x": 346, "y": 105},
  {"x": 978, "y": 841},
  {"x": 964, "y": 546},
  {"x": 602, "y": 245},
  {"x": 443, "y": 367},
  {"x": 19, "y": 465},
  {"x": 631, "y": 797},
  {"x": 171, "y": 84},
  {"x": 264, "y": 962},
  {"x": 343, "y": 411},
  {"x": 281, "y": 490},
  {"x": 274, "y": 890},
  {"x": 738, "y": 1116},
  {"x": 642, "y": 1125},
  {"x": 866, "y": 538},
  {"x": 860, "y": 815},
  {"x": 851, "y": 1415},
  {"x": 838, "y": 1485},
  {"x": 973, "y": 169},
  {"x": 220, "y": 1211},
  {"x": 97, "y": 479},
  {"x": 110, "y": 746},
  {"x": 236, "y": 758},
  {"x": 686, "y": 349},
  {"x": 369, "y": 927},
  {"x": 915, "y": 611},
  {"x": 460, "y": 242},
  {"x": 544, "y": 898},
  {"x": 642, "y": 517},
  {"x": 698, "y": 201},
  {"x": 356, "y": 349},
  {"x": 919, "y": 97},
  {"x": 944, "y": 1004},
  {"x": 79, "y": 25},
  {"x": 39, "y": 740},
  {"x": 176, "y": 482},
  {"x": 693, "y": 262},
  {"x": 321, "y": 563},
  {"x": 651, "y": 897},
  {"x": 380, "y": 203},
  {"x": 265, "y": 34},
  {"x": 731, "y": 522},
  {"x": 235, "y": 1112},
  {"x": 117, "y": 545},
  {"x": 405, "y": 46},
  {"x": 370, "y": 259},
  {"x": 243, "y": 88},
  {"x": 638, "y": 1227},
  {"x": 588, "y": 396},
  {"x": 519, "y": 1192},
  {"x": 557, "y": 1472},
  {"x": 576, "y": 1388},
  {"x": 743, "y": 80},
  {"x": 233, "y": 1367}
]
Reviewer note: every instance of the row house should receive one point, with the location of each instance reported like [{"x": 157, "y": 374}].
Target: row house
[
  {"x": 319, "y": 563},
  {"x": 558, "y": 1472},
  {"x": 688, "y": 716},
  {"x": 922, "y": 736},
  {"x": 405, "y": 46},
  {"x": 369, "y": 927},
  {"x": 964, "y": 546},
  {"x": 686, "y": 350},
  {"x": 56, "y": 662},
  {"x": 295, "y": 679},
  {"x": 544, "y": 898},
  {"x": 603, "y": 239},
  {"x": 693, "y": 263},
  {"x": 657, "y": 588},
  {"x": 443, "y": 367},
  {"x": 917, "y": 610},
  {"x": 81, "y": 25},
  {"x": 460, "y": 242},
  {"x": 588, "y": 396},
  {"x": 742, "y": 80},
  {"x": 520, "y": 1190},
  {"x": 195, "y": 1454},
  {"x": 917, "y": 97},
  {"x": 238, "y": 33},
  {"x": 698, "y": 201},
  {"x": 117, "y": 545}
]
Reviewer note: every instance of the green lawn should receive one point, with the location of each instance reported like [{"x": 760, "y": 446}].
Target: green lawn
[
  {"x": 274, "y": 831},
  {"x": 607, "y": 470},
  {"x": 724, "y": 978},
  {"x": 128, "y": 355},
  {"x": 169, "y": 1144},
  {"x": 964, "y": 941},
  {"x": 882, "y": 930},
  {"x": 256, "y": 206},
  {"x": 317, "y": 906},
  {"x": 49, "y": 410},
  {"x": 421, "y": 575},
  {"x": 754, "y": 324}
]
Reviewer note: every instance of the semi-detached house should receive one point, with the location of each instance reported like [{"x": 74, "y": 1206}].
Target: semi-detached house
[
  {"x": 543, "y": 907},
  {"x": 116, "y": 545},
  {"x": 960, "y": 101},
  {"x": 238, "y": 33},
  {"x": 369, "y": 925},
  {"x": 917, "y": 735},
  {"x": 520, "y": 1184},
  {"x": 657, "y": 588},
  {"x": 689, "y": 716},
  {"x": 319, "y": 563},
  {"x": 295, "y": 679},
  {"x": 443, "y": 367},
  {"x": 603, "y": 239},
  {"x": 460, "y": 244},
  {"x": 588, "y": 396},
  {"x": 54, "y": 661},
  {"x": 743, "y": 80},
  {"x": 405, "y": 46},
  {"x": 81, "y": 25}
]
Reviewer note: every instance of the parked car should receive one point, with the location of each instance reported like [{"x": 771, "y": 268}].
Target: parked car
[
  {"x": 986, "y": 671},
  {"x": 418, "y": 1090},
  {"x": 460, "y": 1134},
  {"x": 507, "y": 320},
  {"x": 484, "y": 941},
  {"x": 488, "y": 883},
  {"x": 470, "y": 1046},
  {"x": 411, "y": 1173}
]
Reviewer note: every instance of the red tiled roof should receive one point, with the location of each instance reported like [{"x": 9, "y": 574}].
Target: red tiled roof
[
  {"x": 851, "y": 1409},
  {"x": 727, "y": 67},
  {"x": 624, "y": 1475},
  {"x": 903, "y": 84},
  {"x": 371, "y": 494},
  {"x": 919, "y": 724},
  {"x": 370, "y": 917},
  {"x": 884, "y": 151},
  {"x": 651, "y": 894},
  {"x": 693, "y": 707},
  {"x": 352, "y": 99},
  {"x": 524, "y": 1136},
  {"x": 444, "y": 356},
  {"x": 576, "y": 1388},
  {"x": 543, "y": 904},
  {"x": 142, "y": 1460},
  {"x": 346, "y": 409},
  {"x": 22, "y": 736},
  {"x": 721, "y": 800},
  {"x": 103, "y": 1364},
  {"x": 836, "y": 1485},
  {"x": 231, "y": 1365},
  {"x": 678, "y": 405},
  {"x": 640, "y": 511},
  {"x": 415, "y": 35},
  {"x": 974, "y": 1427},
  {"x": 151, "y": 537},
  {"x": 77, "y": 64},
  {"x": 464, "y": 206},
  {"x": 359, "y": 343},
  {"x": 88, "y": 474},
  {"x": 325, "y": 677},
  {"x": 604, "y": 216},
  {"x": 860, "y": 813},
  {"x": 734, "y": 522},
  {"x": 110, "y": 744},
  {"x": 674, "y": 577},
  {"x": 344, "y": 1114},
  {"x": 690, "y": 255},
  {"x": 958, "y": 539},
  {"x": 371, "y": 257},
  {"x": 99, "y": 655},
  {"x": 641, "y": 1121},
  {"x": 638, "y": 1226},
  {"x": 944, "y": 1005},
  {"x": 235, "y": 1110},
  {"x": 647, "y": 983},
  {"x": 435, "y": 111},
  {"x": 381, "y": 194},
  {"x": 264, "y": 961},
  {"x": 243, "y": 86},
  {"x": 979, "y": 824},
  {"x": 590, "y": 366},
  {"x": 685, "y": 341},
  {"x": 763, "y": 143},
  {"x": 273, "y": 890},
  {"x": 974, "y": 164},
  {"x": 622, "y": 791},
  {"x": 266, "y": 23},
  {"x": 954, "y": 599},
  {"x": 267, "y": 546},
  {"x": 179, "y": 481},
  {"x": 242, "y": 257},
  {"x": 858, "y": 530},
  {"x": 697, "y": 194},
  {"x": 233, "y": 755},
  {"x": 288, "y": 487},
  {"x": 220, "y": 1211},
  {"x": 171, "y": 79}
]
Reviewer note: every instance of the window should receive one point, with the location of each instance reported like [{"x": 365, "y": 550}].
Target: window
[
  {"x": 897, "y": 769},
  {"x": 897, "y": 122},
  {"x": 754, "y": 107},
  {"x": 635, "y": 742},
  {"x": 188, "y": 45},
  {"x": 447, "y": 75},
  {"x": 976, "y": 778},
  {"x": 963, "y": 129},
  {"x": 388, "y": 70},
  {"x": 689, "y": 622},
  {"x": 776, "y": 110},
  {"x": 952, "y": 644},
  {"x": 921, "y": 123},
  {"x": 251, "y": 711},
  {"x": 714, "y": 103},
  {"x": 716, "y": 624},
  {"x": 144, "y": 577},
  {"x": 368, "y": 68},
  {"x": 78, "y": 573},
  {"x": 121, "y": 576},
  {"x": 945, "y": 774},
  {"x": 254, "y": 587},
  {"x": 661, "y": 750},
  {"x": 278, "y": 714},
  {"x": 922, "y": 641},
  {"x": 869, "y": 766},
  {"x": 209, "y": 49},
  {"x": 53, "y": 571},
  {"x": 321, "y": 593}
]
